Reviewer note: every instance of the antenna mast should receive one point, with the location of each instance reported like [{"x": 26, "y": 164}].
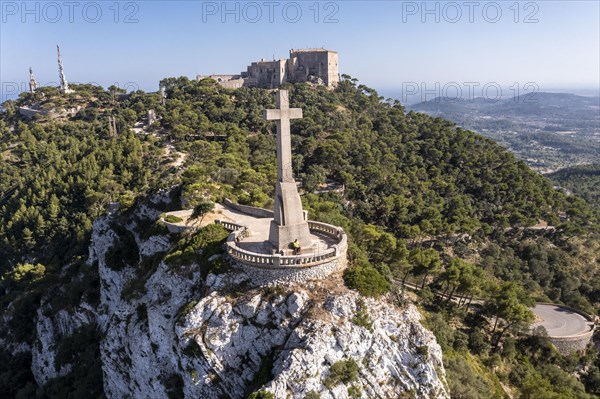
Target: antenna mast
[
  {"x": 32, "y": 83},
  {"x": 64, "y": 85}
]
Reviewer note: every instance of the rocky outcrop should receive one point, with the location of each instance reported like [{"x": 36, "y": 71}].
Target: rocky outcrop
[
  {"x": 391, "y": 354},
  {"x": 166, "y": 331},
  {"x": 302, "y": 338},
  {"x": 51, "y": 329},
  {"x": 138, "y": 351}
]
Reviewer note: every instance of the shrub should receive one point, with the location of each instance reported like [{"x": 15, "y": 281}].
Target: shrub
[
  {"x": 478, "y": 342},
  {"x": 25, "y": 273},
  {"x": 173, "y": 219},
  {"x": 203, "y": 208},
  {"x": 126, "y": 200},
  {"x": 16, "y": 374},
  {"x": 345, "y": 371},
  {"x": 124, "y": 251},
  {"x": 193, "y": 349},
  {"x": 218, "y": 266},
  {"x": 82, "y": 351},
  {"x": 185, "y": 309},
  {"x": 174, "y": 386},
  {"x": 444, "y": 333},
  {"x": 156, "y": 229},
  {"x": 366, "y": 280},
  {"x": 142, "y": 312},
  {"x": 461, "y": 341},
  {"x": 261, "y": 395},
  {"x": 312, "y": 395},
  {"x": 354, "y": 392},
  {"x": 423, "y": 351},
  {"x": 361, "y": 317},
  {"x": 463, "y": 379},
  {"x": 199, "y": 247},
  {"x": 137, "y": 285},
  {"x": 265, "y": 372}
]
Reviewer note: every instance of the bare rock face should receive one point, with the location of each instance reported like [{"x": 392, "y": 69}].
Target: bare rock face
[
  {"x": 389, "y": 353},
  {"x": 50, "y": 330},
  {"x": 234, "y": 338}
]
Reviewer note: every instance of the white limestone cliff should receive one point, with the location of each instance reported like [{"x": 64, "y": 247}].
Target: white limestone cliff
[
  {"x": 175, "y": 333},
  {"x": 305, "y": 337},
  {"x": 50, "y": 330}
]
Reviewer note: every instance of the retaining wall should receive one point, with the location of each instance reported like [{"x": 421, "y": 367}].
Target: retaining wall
[
  {"x": 567, "y": 345},
  {"x": 249, "y": 210},
  {"x": 174, "y": 227},
  {"x": 264, "y": 277}
]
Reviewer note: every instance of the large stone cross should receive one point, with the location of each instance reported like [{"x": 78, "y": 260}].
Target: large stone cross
[
  {"x": 282, "y": 116},
  {"x": 289, "y": 220}
]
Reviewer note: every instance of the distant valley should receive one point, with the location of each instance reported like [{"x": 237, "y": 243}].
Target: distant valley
[{"x": 549, "y": 131}]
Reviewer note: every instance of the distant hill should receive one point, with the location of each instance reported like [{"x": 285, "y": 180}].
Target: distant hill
[
  {"x": 583, "y": 181},
  {"x": 541, "y": 104},
  {"x": 548, "y": 130}
]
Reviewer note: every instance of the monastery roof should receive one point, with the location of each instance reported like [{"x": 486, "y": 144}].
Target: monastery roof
[
  {"x": 264, "y": 61},
  {"x": 311, "y": 50}
]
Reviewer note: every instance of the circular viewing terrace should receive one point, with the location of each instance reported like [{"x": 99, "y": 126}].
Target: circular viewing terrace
[{"x": 248, "y": 242}]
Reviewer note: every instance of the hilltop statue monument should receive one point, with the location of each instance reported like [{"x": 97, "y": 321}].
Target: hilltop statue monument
[{"x": 289, "y": 221}]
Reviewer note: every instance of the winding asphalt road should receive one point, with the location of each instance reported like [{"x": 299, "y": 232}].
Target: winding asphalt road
[{"x": 559, "y": 321}]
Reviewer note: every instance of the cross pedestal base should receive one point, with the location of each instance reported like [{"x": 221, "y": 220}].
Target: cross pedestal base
[
  {"x": 282, "y": 236},
  {"x": 289, "y": 221}
]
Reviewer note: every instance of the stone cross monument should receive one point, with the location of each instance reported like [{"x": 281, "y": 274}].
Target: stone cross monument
[{"x": 289, "y": 222}]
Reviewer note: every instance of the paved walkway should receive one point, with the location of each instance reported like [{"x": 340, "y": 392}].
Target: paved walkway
[
  {"x": 258, "y": 239},
  {"x": 220, "y": 212}
]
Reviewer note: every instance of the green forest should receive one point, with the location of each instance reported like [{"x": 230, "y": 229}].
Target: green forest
[
  {"x": 423, "y": 202},
  {"x": 583, "y": 181}
]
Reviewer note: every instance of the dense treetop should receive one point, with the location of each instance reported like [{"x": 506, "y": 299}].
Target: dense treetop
[
  {"x": 583, "y": 181},
  {"x": 416, "y": 177}
]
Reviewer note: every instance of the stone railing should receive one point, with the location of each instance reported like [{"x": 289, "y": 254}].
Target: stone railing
[
  {"x": 331, "y": 231},
  {"x": 286, "y": 261},
  {"x": 233, "y": 227},
  {"x": 327, "y": 229},
  {"x": 277, "y": 260}
]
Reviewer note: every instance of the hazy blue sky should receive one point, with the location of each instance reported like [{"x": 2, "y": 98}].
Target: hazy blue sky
[{"x": 385, "y": 44}]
